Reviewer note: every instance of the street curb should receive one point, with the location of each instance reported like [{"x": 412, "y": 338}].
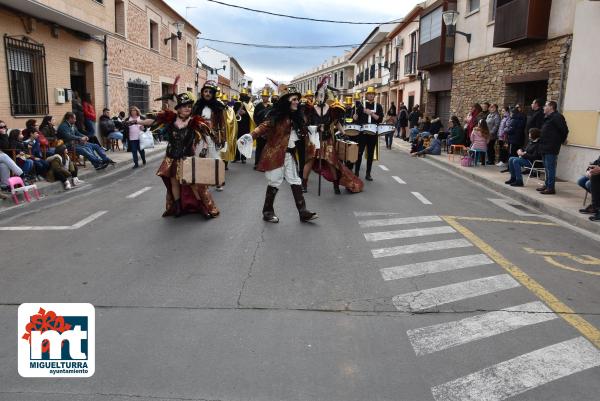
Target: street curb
[{"x": 571, "y": 217}]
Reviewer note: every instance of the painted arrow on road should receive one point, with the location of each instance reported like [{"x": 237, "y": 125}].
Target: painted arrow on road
[{"x": 75, "y": 226}]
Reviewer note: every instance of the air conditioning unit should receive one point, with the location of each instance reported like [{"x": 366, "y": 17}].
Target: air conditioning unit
[
  {"x": 59, "y": 95},
  {"x": 399, "y": 42}
]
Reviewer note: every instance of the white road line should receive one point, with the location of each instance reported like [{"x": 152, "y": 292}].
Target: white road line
[
  {"x": 384, "y": 168},
  {"x": 370, "y": 214},
  {"x": 138, "y": 193},
  {"x": 420, "y": 197},
  {"x": 523, "y": 373},
  {"x": 422, "y": 247},
  {"x": 75, "y": 226},
  {"x": 398, "y": 221},
  {"x": 414, "y": 232},
  {"x": 427, "y": 340},
  {"x": 434, "y": 266},
  {"x": 425, "y": 299},
  {"x": 398, "y": 179}
]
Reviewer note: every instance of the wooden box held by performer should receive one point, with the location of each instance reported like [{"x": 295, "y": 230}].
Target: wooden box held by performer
[
  {"x": 201, "y": 170},
  {"x": 347, "y": 150}
]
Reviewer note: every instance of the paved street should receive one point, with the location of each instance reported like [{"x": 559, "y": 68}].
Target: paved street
[{"x": 424, "y": 287}]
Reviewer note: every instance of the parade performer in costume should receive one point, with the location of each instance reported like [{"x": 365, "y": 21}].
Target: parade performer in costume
[
  {"x": 260, "y": 111},
  {"x": 245, "y": 116},
  {"x": 230, "y": 132},
  {"x": 184, "y": 132},
  {"x": 370, "y": 113},
  {"x": 213, "y": 112},
  {"x": 328, "y": 118},
  {"x": 309, "y": 97},
  {"x": 282, "y": 129}
]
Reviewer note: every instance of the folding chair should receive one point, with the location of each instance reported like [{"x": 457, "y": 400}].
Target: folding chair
[{"x": 538, "y": 170}]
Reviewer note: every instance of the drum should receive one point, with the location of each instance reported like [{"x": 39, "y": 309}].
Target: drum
[
  {"x": 383, "y": 129},
  {"x": 369, "y": 129},
  {"x": 352, "y": 129}
]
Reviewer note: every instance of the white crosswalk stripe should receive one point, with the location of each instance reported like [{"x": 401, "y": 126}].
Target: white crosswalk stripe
[
  {"x": 421, "y": 198},
  {"x": 373, "y": 214},
  {"x": 434, "y": 266},
  {"x": 384, "y": 168},
  {"x": 429, "y": 298},
  {"x": 414, "y": 232},
  {"x": 398, "y": 221},
  {"x": 398, "y": 179},
  {"x": 418, "y": 248},
  {"x": 525, "y": 372},
  {"x": 438, "y": 337}
]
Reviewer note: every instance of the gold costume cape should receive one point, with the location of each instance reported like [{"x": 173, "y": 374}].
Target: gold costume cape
[{"x": 231, "y": 130}]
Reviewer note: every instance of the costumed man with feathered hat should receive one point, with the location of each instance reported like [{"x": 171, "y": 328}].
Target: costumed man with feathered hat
[
  {"x": 184, "y": 132},
  {"x": 245, "y": 117},
  {"x": 370, "y": 113},
  {"x": 213, "y": 112},
  {"x": 327, "y": 115},
  {"x": 281, "y": 130},
  {"x": 260, "y": 111}
]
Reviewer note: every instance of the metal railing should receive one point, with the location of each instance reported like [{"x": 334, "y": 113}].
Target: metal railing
[{"x": 26, "y": 66}]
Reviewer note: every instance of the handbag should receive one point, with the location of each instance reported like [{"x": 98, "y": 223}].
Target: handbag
[
  {"x": 146, "y": 140},
  {"x": 202, "y": 170},
  {"x": 466, "y": 161}
]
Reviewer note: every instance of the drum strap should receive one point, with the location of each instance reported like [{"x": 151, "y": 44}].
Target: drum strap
[
  {"x": 216, "y": 171},
  {"x": 193, "y": 170}
]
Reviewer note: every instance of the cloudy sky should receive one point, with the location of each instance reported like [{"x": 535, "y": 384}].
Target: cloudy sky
[{"x": 225, "y": 23}]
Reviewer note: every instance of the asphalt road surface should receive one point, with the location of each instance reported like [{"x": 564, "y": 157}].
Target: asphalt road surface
[{"x": 424, "y": 287}]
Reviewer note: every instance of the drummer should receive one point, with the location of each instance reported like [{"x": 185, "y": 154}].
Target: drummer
[
  {"x": 350, "y": 110},
  {"x": 370, "y": 113}
]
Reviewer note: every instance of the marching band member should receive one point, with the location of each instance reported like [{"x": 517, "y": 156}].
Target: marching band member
[
  {"x": 184, "y": 132},
  {"x": 245, "y": 117},
  {"x": 230, "y": 132},
  {"x": 309, "y": 97},
  {"x": 328, "y": 117},
  {"x": 260, "y": 111},
  {"x": 370, "y": 113},
  {"x": 281, "y": 130}
]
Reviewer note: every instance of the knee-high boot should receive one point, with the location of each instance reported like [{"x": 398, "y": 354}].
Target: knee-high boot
[
  {"x": 268, "y": 211},
  {"x": 336, "y": 182},
  {"x": 305, "y": 215}
]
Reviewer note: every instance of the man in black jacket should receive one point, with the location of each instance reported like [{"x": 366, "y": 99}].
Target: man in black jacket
[
  {"x": 525, "y": 158},
  {"x": 554, "y": 134},
  {"x": 536, "y": 118},
  {"x": 594, "y": 209}
]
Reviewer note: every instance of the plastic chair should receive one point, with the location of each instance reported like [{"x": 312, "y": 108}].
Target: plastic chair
[
  {"x": 476, "y": 153},
  {"x": 17, "y": 186},
  {"x": 454, "y": 149}
]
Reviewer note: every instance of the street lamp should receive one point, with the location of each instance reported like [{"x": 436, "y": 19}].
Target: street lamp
[
  {"x": 179, "y": 25},
  {"x": 450, "y": 18}
]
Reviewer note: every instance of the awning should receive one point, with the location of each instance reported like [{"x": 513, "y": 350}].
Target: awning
[{"x": 43, "y": 12}]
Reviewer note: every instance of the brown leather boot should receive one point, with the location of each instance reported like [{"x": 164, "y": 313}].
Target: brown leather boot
[
  {"x": 336, "y": 184},
  {"x": 305, "y": 215},
  {"x": 268, "y": 211}
]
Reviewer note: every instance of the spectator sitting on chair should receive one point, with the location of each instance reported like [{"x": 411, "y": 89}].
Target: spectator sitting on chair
[
  {"x": 68, "y": 132},
  {"x": 525, "y": 158},
  {"x": 63, "y": 169},
  {"x": 48, "y": 129},
  {"x": 41, "y": 165},
  {"x": 108, "y": 130},
  {"x": 434, "y": 148},
  {"x": 594, "y": 173},
  {"x": 586, "y": 183},
  {"x": 436, "y": 126},
  {"x": 456, "y": 135},
  {"x": 22, "y": 156}
]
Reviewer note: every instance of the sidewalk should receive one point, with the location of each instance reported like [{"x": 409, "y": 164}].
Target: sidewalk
[
  {"x": 122, "y": 161},
  {"x": 564, "y": 205}
]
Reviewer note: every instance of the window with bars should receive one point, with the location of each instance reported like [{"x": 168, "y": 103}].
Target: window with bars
[
  {"x": 26, "y": 65},
  {"x": 138, "y": 93}
]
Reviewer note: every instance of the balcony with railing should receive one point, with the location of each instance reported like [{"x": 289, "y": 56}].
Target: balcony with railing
[
  {"x": 410, "y": 64},
  {"x": 520, "y": 22}
]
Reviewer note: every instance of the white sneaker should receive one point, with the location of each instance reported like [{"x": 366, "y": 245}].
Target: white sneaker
[
  {"x": 77, "y": 181},
  {"x": 67, "y": 185},
  {"x": 500, "y": 164},
  {"x": 219, "y": 189}
]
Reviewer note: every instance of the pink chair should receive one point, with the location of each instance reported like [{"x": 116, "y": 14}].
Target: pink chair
[{"x": 17, "y": 185}]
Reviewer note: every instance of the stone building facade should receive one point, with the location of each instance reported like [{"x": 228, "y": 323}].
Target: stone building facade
[
  {"x": 142, "y": 67},
  {"x": 497, "y": 78}
]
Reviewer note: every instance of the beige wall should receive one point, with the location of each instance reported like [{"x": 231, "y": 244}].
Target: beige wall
[
  {"x": 58, "y": 53},
  {"x": 90, "y": 11},
  {"x": 131, "y": 57},
  {"x": 481, "y": 27}
]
